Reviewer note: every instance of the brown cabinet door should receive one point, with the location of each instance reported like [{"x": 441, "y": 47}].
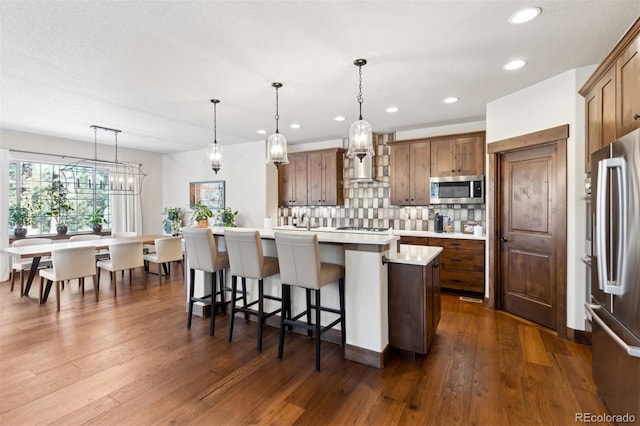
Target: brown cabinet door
[
  {"x": 316, "y": 178},
  {"x": 469, "y": 156},
  {"x": 442, "y": 158},
  {"x": 300, "y": 183},
  {"x": 628, "y": 89},
  {"x": 330, "y": 187},
  {"x": 600, "y": 105},
  {"x": 420, "y": 172},
  {"x": 285, "y": 184},
  {"x": 400, "y": 175}
]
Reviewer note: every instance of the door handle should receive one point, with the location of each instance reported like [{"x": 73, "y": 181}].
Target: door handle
[
  {"x": 503, "y": 239},
  {"x": 636, "y": 116}
]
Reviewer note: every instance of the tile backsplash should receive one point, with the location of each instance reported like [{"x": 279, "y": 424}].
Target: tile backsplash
[{"x": 367, "y": 204}]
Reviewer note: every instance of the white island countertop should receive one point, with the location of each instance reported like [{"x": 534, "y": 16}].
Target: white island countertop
[
  {"x": 395, "y": 232},
  {"x": 413, "y": 255}
]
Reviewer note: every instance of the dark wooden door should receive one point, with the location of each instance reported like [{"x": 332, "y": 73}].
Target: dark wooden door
[{"x": 529, "y": 205}]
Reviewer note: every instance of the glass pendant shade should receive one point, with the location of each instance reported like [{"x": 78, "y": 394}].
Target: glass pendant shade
[
  {"x": 360, "y": 140},
  {"x": 277, "y": 149},
  {"x": 214, "y": 154}
]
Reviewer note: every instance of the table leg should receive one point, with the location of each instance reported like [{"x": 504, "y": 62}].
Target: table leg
[{"x": 32, "y": 273}]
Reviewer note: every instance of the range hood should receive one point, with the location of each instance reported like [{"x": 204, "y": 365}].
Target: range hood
[{"x": 363, "y": 170}]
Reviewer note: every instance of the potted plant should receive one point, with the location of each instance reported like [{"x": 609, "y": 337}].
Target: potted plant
[
  {"x": 18, "y": 218},
  {"x": 57, "y": 196},
  {"x": 172, "y": 220},
  {"x": 226, "y": 217},
  {"x": 97, "y": 219},
  {"x": 201, "y": 214}
]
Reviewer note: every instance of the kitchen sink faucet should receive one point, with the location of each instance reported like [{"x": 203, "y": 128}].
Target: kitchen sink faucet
[{"x": 308, "y": 217}]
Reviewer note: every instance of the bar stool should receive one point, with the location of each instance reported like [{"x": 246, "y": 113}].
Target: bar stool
[
  {"x": 203, "y": 255},
  {"x": 299, "y": 259},
  {"x": 247, "y": 260}
]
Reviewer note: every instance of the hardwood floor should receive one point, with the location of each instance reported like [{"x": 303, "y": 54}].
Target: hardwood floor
[{"x": 132, "y": 361}]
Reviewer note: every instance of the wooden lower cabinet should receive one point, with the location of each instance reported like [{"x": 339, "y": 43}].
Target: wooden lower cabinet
[
  {"x": 462, "y": 261},
  {"x": 414, "y": 305}
]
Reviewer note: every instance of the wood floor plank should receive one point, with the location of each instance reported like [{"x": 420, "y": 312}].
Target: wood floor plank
[{"x": 131, "y": 360}]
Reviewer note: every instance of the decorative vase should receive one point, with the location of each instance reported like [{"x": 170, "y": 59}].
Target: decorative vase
[
  {"x": 97, "y": 228},
  {"x": 204, "y": 223},
  {"x": 62, "y": 229},
  {"x": 20, "y": 232}
]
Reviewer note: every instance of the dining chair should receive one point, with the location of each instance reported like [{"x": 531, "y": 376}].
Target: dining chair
[
  {"x": 100, "y": 254},
  {"x": 300, "y": 265},
  {"x": 123, "y": 234},
  {"x": 123, "y": 256},
  {"x": 25, "y": 264},
  {"x": 168, "y": 249},
  {"x": 68, "y": 264}
]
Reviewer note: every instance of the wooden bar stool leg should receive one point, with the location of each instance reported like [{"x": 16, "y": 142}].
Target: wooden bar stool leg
[
  {"x": 260, "y": 312},
  {"x": 192, "y": 278},
  {"x": 308, "y": 295},
  {"x": 234, "y": 285},
  {"x": 343, "y": 329},
  {"x": 212, "y": 328},
  {"x": 285, "y": 313},
  {"x": 317, "y": 330},
  {"x": 58, "y": 296},
  {"x": 244, "y": 297}
]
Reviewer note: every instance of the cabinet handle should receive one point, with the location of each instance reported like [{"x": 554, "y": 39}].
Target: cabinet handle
[
  {"x": 455, "y": 244},
  {"x": 636, "y": 116},
  {"x": 435, "y": 266},
  {"x": 503, "y": 239},
  {"x": 457, "y": 281},
  {"x": 455, "y": 259},
  {"x": 453, "y": 171}
]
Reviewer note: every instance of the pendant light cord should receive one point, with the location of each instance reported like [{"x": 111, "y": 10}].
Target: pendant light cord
[
  {"x": 277, "y": 111},
  {"x": 215, "y": 121},
  {"x": 360, "y": 90}
]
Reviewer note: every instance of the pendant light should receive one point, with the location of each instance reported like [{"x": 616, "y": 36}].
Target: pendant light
[
  {"x": 214, "y": 151},
  {"x": 360, "y": 134},
  {"x": 277, "y": 143}
]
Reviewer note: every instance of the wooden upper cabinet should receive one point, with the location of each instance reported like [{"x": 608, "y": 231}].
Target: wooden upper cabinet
[
  {"x": 463, "y": 156},
  {"x": 601, "y": 118},
  {"x": 325, "y": 177},
  {"x": 628, "y": 89},
  {"x": 612, "y": 95},
  {"x": 292, "y": 179},
  {"x": 409, "y": 174},
  {"x": 312, "y": 178}
]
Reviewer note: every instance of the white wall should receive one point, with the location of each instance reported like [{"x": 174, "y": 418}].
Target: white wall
[
  {"x": 550, "y": 103},
  {"x": 151, "y": 164},
  {"x": 250, "y": 183}
]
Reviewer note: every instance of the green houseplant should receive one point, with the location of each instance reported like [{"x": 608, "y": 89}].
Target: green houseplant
[
  {"x": 97, "y": 219},
  {"x": 201, "y": 214},
  {"x": 19, "y": 217},
  {"x": 226, "y": 217},
  {"x": 57, "y": 197},
  {"x": 172, "y": 220}
]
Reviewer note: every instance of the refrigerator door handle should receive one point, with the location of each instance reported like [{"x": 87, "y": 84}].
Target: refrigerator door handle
[
  {"x": 633, "y": 351},
  {"x": 615, "y": 287}
]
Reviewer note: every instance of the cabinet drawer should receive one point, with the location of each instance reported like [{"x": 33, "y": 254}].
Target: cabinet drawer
[
  {"x": 466, "y": 260},
  {"x": 416, "y": 241},
  {"x": 462, "y": 280},
  {"x": 453, "y": 243}
]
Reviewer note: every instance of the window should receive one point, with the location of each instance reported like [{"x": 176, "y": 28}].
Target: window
[{"x": 29, "y": 180}]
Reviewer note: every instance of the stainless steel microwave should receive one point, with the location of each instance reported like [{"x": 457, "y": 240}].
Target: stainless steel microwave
[{"x": 457, "y": 190}]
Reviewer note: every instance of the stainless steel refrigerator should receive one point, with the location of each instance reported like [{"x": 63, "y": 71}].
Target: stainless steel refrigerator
[{"x": 614, "y": 308}]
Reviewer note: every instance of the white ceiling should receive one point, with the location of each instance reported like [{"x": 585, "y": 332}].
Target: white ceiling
[{"x": 150, "y": 68}]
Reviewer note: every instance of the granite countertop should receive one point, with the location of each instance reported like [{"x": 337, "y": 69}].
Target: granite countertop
[{"x": 413, "y": 255}]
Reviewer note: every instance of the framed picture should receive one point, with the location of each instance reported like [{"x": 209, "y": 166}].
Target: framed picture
[{"x": 209, "y": 193}]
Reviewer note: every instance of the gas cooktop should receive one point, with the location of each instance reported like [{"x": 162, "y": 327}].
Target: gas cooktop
[{"x": 360, "y": 228}]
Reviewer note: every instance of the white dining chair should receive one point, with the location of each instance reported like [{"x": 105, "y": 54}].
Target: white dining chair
[
  {"x": 69, "y": 264},
  {"x": 25, "y": 264},
  {"x": 168, "y": 249},
  {"x": 124, "y": 255}
]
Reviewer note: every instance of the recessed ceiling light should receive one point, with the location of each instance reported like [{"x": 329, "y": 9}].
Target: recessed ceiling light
[
  {"x": 392, "y": 109},
  {"x": 514, "y": 65},
  {"x": 450, "y": 100},
  {"x": 525, "y": 15},
  {"x": 262, "y": 132},
  {"x": 339, "y": 118},
  {"x": 295, "y": 126}
]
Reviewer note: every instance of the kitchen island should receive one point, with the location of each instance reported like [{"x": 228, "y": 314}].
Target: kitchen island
[{"x": 364, "y": 256}]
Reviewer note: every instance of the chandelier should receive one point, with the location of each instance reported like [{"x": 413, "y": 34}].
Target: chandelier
[
  {"x": 87, "y": 176},
  {"x": 360, "y": 134}
]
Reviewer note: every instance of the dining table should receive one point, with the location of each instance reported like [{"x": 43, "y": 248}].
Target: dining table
[{"x": 37, "y": 252}]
